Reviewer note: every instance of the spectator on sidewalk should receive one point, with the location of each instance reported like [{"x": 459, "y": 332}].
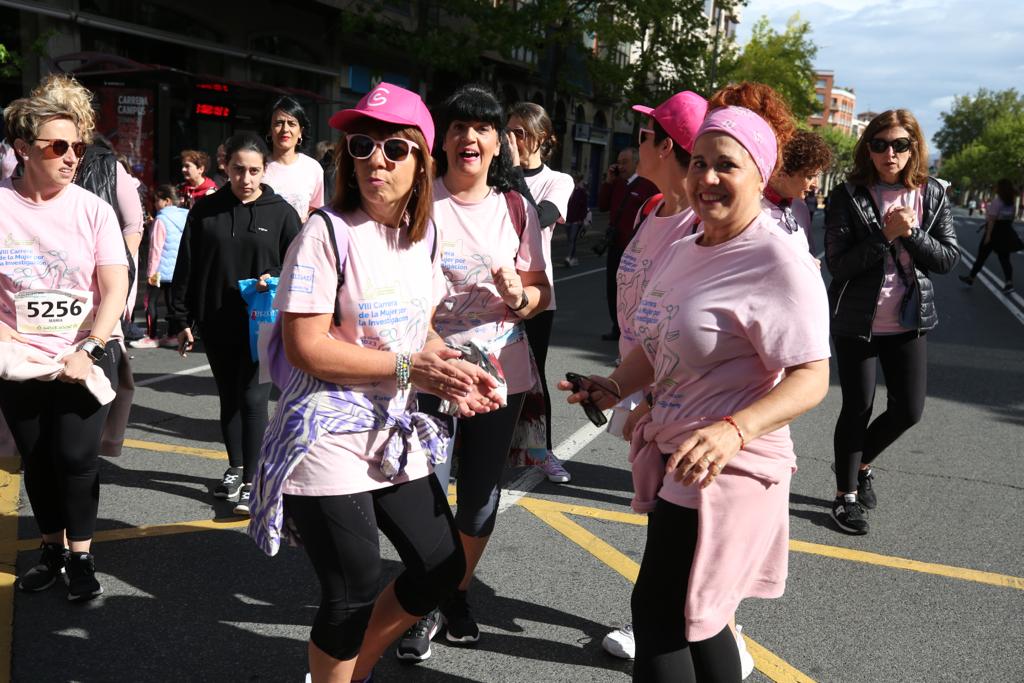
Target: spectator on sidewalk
[
  {"x": 576, "y": 217},
  {"x": 193, "y": 170}
]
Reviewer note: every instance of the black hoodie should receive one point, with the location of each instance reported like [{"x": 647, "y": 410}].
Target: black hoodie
[{"x": 225, "y": 241}]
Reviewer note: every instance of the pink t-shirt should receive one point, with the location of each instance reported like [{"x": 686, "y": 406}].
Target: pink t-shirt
[
  {"x": 8, "y": 163},
  {"x": 551, "y": 186},
  {"x": 794, "y": 224},
  {"x": 645, "y": 252},
  {"x": 476, "y": 238},
  {"x": 301, "y": 183},
  {"x": 55, "y": 245},
  {"x": 887, "y": 311},
  {"x": 390, "y": 290},
  {"x": 722, "y": 323}
]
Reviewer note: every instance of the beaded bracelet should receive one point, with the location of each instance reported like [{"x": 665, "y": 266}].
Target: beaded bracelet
[
  {"x": 403, "y": 366},
  {"x": 730, "y": 420}
]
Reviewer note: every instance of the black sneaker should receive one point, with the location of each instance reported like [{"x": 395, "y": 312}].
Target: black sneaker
[
  {"x": 1008, "y": 288},
  {"x": 52, "y": 559},
  {"x": 82, "y": 582},
  {"x": 459, "y": 625},
  {"x": 849, "y": 515},
  {"x": 967, "y": 279},
  {"x": 229, "y": 484},
  {"x": 415, "y": 644},
  {"x": 865, "y": 491},
  {"x": 244, "y": 493}
]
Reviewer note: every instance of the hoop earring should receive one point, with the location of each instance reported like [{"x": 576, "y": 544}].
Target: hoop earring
[{"x": 299, "y": 143}]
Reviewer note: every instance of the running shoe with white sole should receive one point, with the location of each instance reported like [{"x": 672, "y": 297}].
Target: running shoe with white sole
[
  {"x": 459, "y": 626},
  {"x": 144, "y": 343},
  {"x": 242, "y": 507},
  {"x": 849, "y": 515},
  {"x": 620, "y": 643},
  {"x": 415, "y": 644},
  {"x": 746, "y": 660},
  {"x": 82, "y": 581},
  {"x": 230, "y": 483},
  {"x": 553, "y": 469}
]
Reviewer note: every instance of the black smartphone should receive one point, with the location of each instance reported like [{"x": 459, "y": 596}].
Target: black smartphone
[{"x": 592, "y": 412}]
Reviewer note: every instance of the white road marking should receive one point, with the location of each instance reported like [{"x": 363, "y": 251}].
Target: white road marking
[
  {"x": 987, "y": 278},
  {"x": 586, "y": 272},
  {"x": 172, "y": 375}
]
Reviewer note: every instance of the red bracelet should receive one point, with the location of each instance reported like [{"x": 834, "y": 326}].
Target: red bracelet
[{"x": 730, "y": 420}]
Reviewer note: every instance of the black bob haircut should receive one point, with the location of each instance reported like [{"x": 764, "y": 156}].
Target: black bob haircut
[
  {"x": 474, "y": 102},
  {"x": 292, "y": 108}
]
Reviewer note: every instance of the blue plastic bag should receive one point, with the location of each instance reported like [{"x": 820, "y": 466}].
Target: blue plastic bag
[{"x": 262, "y": 313}]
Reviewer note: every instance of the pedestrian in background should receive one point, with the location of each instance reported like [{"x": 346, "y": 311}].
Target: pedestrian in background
[
  {"x": 242, "y": 231},
  {"x": 621, "y": 194},
  {"x": 886, "y": 230},
  {"x": 71, "y": 262},
  {"x": 293, "y": 175},
  {"x": 196, "y": 185},
  {"x": 164, "y": 240},
  {"x": 532, "y": 140},
  {"x": 804, "y": 157},
  {"x": 999, "y": 235},
  {"x": 576, "y": 217}
]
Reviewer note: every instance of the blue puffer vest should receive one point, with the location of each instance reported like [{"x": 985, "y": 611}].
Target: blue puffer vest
[{"x": 173, "y": 218}]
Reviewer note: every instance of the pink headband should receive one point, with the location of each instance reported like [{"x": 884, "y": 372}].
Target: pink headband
[{"x": 748, "y": 129}]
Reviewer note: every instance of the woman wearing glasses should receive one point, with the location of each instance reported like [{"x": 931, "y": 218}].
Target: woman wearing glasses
[
  {"x": 241, "y": 231},
  {"x": 297, "y": 177},
  {"x": 347, "y": 454},
  {"x": 63, "y": 284},
  {"x": 531, "y": 142},
  {"x": 886, "y": 229}
]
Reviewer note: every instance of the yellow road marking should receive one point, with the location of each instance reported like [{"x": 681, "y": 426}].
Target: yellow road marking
[
  {"x": 554, "y": 515},
  {"x": 174, "y": 448},
  {"x": 993, "y": 579},
  {"x": 10, "y": 488},
  {"x": 145, "y": 531}
]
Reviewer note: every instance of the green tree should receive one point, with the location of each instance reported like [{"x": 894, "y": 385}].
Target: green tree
[
  {"x": 970, "y": 115},
  {"x": 998, "y": 152},
  {"x": 842, "y": 146},
  {"x": 785, "y": 61},
  {"x": 10, "y": 64}
]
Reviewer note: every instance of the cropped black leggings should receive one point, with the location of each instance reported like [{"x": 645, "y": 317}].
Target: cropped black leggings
[
  {"x": 243, "y": 400},
  {"x": 538, "y": 333},
  {"x": 57, "y": 428},
  {"x": 340, "y": 535},
  {"x": 904, "y": 361},
  {"x": 663, "y": 654}
]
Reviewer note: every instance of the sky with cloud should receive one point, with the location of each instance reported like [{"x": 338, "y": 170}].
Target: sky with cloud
[{"x": 916, "y": 54}]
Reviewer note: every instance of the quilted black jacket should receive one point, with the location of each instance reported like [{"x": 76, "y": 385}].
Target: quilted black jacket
[{"x": 855, "y": 251}]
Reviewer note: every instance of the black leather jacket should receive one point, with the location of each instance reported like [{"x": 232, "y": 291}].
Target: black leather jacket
[{"x": 855, "y": 251}]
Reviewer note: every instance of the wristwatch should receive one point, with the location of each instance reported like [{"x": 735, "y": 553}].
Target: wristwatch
[
  {"x": 523, "y": 303},
  {"x": 95, "y": 350}
]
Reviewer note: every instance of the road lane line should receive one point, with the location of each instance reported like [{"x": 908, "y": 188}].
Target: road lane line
[
  {"x": 175, "y": 448},
  {"x": 990, "y": 281},
  {"x": 576, "y": 275},
  {"x": 10, "y": 490},
  {"x": 172, "y": 375},
  {"x": 146, "y": 531},
  {"x": 770, "y": 664},
  {"x": 836, "y": 552}
]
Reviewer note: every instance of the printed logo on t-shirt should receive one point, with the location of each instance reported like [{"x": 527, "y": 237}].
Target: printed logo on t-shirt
[{"x": 302, "y": 279}]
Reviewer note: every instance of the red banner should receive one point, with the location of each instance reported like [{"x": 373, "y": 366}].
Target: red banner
[{"x": 126, "y": 118}]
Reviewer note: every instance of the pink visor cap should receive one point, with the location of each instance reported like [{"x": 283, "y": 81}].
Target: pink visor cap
[
  {"x": 748, "y": 129},
  {"x": 391, "y": 104},
  {"x": 680, "y": 116}
]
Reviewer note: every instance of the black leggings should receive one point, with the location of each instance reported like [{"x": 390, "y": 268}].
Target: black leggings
[
  {"x": 986, "y": 248},
  {"x": 340, "y": 535},
  {"x": 243, "y": 400},
  {"x": 904, "y": 360},
  {"x": 663, "y": 655},
  {"x": 538, "y": 333},
  {"x": 153, "y": 295},
  {"x": 484, "y": 441},
  {"x": 611, "y": 287},
  {"x": 57, "y": 428}
]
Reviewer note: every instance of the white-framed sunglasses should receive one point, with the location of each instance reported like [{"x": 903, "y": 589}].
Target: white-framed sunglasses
[
  {"x": 395, "y": 150},
  {"x": 642, "y": 135}
]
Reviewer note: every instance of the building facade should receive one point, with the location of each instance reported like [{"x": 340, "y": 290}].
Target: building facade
[{"x": 836, "y": 104}]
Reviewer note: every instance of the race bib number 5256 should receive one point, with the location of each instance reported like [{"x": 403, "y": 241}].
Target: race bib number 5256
[{"x": 53, "y": 311}]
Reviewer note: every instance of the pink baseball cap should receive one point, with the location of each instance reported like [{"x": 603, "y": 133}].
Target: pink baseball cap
[
  {"x": 392, "y": 104},
  {"x": 680, "y": 116}
]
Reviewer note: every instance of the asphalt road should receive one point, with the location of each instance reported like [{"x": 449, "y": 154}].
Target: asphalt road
[{"x": 933, "y": 593}]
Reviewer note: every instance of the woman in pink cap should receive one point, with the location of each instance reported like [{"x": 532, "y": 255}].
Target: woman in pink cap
[
  {"x": 347, "y": 455},
  {"x": 735, "y": 347}
]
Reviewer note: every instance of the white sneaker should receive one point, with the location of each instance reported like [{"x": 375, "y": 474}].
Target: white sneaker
[
  {"x": 144, "y": 343},
  {"x": 620, "y": 642},
  {"x": 554, "y": 470},
  {"x": 572, "y": 262},
  {"x": 746, "y": 660}
]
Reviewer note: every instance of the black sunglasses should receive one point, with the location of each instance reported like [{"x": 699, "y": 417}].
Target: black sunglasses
[
  {"x": 396, "y": 150},
  {"x": 60, "y": 147},
  {"x": 899, "y": 145},
  {"x": 592, "y": 412}
]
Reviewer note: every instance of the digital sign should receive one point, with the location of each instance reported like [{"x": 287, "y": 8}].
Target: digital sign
[{"x": 218, "y": 111}]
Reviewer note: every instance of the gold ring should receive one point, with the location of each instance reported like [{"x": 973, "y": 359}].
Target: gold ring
[{"x": 707, "y": 463}]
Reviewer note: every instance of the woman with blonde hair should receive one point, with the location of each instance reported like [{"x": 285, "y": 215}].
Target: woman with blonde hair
[
  {"x": 62, "y": 290},
  {"x": 886, "y": 230}
]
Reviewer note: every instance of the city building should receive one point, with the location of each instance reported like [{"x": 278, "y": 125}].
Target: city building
[{"x": 836, "y": 104}]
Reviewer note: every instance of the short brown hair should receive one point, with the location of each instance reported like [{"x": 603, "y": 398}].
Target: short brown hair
[
  {"x": 346, "y": 191},
  {"x": 914, "y": 174},
  {"x": 807, "y": 151},
  {"x": 199, "y": 158},
  {"x": 764, "y": 101},
  {"x": 537, "y": 124}
]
